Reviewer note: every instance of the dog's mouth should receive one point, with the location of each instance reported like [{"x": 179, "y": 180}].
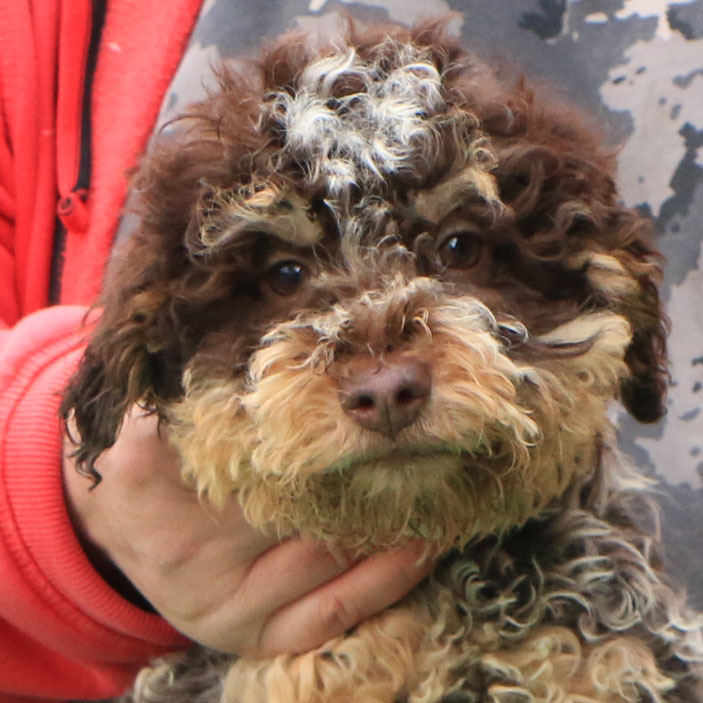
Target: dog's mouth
[
  {"x": 409, "y": 459},
  {"x": 378, "y": 499}
]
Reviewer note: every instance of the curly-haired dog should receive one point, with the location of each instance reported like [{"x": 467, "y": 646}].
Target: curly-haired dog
[{"x": 381, "y": 293}]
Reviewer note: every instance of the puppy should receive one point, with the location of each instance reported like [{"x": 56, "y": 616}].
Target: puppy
[{"x": 378, "y": 293}]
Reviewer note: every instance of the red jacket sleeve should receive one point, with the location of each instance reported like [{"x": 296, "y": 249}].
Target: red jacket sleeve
[{"x": 65, "y": 633}]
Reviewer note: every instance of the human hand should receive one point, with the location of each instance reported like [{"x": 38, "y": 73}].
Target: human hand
[{"x": 207, "y": 571}]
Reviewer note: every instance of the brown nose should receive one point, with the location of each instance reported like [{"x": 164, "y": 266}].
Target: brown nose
[{"x": 387, "y": 396}]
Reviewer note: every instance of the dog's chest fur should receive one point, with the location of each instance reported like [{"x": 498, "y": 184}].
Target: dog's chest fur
[{"x": 386, "y": 295}]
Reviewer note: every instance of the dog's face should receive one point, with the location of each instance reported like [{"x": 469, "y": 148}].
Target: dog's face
[{"x": 379, "y": 295}]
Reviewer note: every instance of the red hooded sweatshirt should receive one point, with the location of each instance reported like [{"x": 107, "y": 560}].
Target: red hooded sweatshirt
[{"x": 64, "y": 634}]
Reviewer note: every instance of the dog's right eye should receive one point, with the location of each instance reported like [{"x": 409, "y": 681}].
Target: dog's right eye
[
  {"x": 460, "y": 251},
  {"x": 286, "y": 277}
]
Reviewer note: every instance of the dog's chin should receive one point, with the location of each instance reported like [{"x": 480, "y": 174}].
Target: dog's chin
[
  {"x": 444, "y": 495},
  {"x": 417, "y": 478}
]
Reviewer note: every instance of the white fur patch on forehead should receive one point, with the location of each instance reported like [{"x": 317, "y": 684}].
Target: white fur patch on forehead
[{"x": 383, "y": 122}]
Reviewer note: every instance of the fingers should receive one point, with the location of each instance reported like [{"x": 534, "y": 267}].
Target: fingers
[
  {"x": 341, "y": 603},
  {"x": 288, "y": 571},
  {"x": 280, "y": 575}
]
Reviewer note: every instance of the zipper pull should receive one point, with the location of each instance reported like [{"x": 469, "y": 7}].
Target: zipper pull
[{"x": 73, "y": 210}]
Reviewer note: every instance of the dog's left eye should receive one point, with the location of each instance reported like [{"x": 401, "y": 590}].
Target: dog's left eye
[
  {"x": 460, "y": 251},
  {"x": 287, "y": 277}
]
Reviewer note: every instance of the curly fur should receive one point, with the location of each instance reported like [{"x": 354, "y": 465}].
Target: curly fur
[
  {"x": 483, "y": 458},
  {"x": 389, "y": 199}
]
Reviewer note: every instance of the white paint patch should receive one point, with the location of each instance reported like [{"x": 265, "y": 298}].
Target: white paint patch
[
  {"x": 596, "y": 18},
  {"x": 404, "y": 12},
  {"x": 659, "y": 86},
  {"x": 683, "y": 427},
  {"x": 651, "y": 8}
]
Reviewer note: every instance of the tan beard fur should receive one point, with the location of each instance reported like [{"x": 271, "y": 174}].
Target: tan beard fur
[{"x": 497, "y": 443}]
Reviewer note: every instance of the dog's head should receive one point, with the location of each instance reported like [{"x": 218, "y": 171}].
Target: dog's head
[{"x": 378, "y": 292}]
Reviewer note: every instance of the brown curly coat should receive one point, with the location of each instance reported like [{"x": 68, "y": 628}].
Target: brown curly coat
[{"x": 387, "y": 201}]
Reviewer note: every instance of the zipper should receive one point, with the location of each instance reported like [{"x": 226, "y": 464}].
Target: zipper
[{"x": 79, "y": 43}]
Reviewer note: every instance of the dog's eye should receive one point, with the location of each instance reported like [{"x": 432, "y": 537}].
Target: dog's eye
[
  {"x": 287, "y": 277},
  {"x": 460, "y": 251}
]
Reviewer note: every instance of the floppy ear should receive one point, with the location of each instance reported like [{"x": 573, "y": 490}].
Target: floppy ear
[
  {"x": 565, "y": 185},
  {"x": 644, "y": 390},
  {"x": 123, "y": 364}
]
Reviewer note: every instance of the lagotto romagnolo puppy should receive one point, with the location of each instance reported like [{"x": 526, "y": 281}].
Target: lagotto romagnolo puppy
[{"x": 378, "y": 293}]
